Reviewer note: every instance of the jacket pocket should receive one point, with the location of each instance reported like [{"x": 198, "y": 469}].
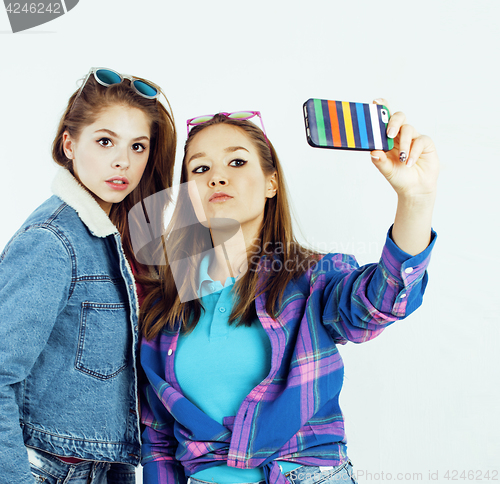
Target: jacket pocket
[{"x": 104, "y": 340}]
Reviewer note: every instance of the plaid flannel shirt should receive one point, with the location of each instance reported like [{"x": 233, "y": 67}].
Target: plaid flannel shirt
[{"x": 293, "y": 414}]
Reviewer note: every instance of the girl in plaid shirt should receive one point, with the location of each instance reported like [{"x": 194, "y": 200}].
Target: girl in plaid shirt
[{"x": 240, "y": 330}]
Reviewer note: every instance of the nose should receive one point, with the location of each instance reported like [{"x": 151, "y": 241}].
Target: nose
[
  {"x": 218, "y": 179},
  {"x": 122, "y": 159}
]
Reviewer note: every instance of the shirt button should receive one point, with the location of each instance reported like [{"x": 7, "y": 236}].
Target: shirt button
[
  {"x": 403, "y": 295},
  {"x": 211, "y": 287},
  {"x": 169, "y": 352},
  {"x": 409, "y": 270},
  {"x": 222, "y": 309}
]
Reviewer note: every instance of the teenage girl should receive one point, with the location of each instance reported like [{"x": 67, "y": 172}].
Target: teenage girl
[
  {"x": 239, "y": 345},
  {"x": 68, "y": 303}
]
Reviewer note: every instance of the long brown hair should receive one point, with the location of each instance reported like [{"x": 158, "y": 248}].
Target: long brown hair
[
  {"x": 162, "y": 306},
  {"x": 158, "y": 174}
]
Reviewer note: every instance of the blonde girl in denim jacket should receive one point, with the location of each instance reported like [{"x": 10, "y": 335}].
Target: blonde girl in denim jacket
[{"x": 68, "y": 303}]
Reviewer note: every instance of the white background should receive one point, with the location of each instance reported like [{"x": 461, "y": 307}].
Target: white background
[{"x": 423, "y": 397}]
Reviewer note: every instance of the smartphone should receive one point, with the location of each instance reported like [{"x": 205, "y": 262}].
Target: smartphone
[{"x": 345, "y": 125}]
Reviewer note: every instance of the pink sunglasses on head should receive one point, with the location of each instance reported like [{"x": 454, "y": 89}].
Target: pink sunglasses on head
[{"x": 243, "y": 115}]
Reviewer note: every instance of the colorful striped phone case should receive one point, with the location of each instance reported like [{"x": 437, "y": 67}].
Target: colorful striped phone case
[{"x": 347, "y": 126}]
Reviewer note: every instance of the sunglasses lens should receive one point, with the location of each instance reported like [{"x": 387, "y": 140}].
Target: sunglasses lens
[
  {"x": 108, "y": 77},
  {"x": 200, "y": 120},
  {"x": 145, "y": 89},
  {"x": 242, "y": 115}
]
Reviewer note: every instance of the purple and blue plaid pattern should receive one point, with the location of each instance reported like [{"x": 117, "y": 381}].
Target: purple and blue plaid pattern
[{"x": 293, "y": 414}]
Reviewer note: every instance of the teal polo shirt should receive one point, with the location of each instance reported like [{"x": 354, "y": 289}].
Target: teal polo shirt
[{"x": 217, "y": 365}]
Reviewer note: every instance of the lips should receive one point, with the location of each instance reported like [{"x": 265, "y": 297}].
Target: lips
[
  {"x": 219, "y": 197},
  {"x": 117, "y": 182}
]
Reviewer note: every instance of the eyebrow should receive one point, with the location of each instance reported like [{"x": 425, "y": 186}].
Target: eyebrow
[
  {"x": 112, "y": 133},
  {"x": 229, "y": 149}
]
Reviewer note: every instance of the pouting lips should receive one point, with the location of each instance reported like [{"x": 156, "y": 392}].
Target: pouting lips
[{"x": 219, "y": 196}]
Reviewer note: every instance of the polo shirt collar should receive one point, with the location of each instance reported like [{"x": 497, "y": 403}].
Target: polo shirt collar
[{"x": 206, "y": 284}]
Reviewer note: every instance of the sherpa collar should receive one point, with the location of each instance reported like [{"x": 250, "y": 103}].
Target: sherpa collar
[{"x": 68, "y": 189}]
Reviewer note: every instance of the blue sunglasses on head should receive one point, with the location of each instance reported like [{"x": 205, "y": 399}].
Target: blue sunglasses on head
[{"x": 108, "y": 77}]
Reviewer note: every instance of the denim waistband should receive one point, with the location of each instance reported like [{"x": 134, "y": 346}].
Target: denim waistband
[
  {"x": 308, "y": 475},
  {"x": 60, "y": 469}
]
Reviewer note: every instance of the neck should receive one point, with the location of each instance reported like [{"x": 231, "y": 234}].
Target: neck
[{"x": 230, "y": 255}]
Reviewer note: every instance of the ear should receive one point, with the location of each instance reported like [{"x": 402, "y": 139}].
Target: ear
[
  {"x": 272, "y": 186},
  {"x": 68, "y": 145}
]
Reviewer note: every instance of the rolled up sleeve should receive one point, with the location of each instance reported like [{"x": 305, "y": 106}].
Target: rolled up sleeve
[{"x": 359, "y": 302}]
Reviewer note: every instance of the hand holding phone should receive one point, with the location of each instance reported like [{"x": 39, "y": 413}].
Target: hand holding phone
[{"x": 347, "y": 125}]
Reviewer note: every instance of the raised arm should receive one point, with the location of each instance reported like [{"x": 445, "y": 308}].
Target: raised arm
[{"x": 411, "y": 168}]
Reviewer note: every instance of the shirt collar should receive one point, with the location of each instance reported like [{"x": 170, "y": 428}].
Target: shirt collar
[{"x": 206, "y": 284}]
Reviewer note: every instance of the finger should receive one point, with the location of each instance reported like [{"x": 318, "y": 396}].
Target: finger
[
  {"x": 382, "y": 162},
  {"x": 419, "y": 146},
  {"x": 406, "y": 135},
  {"x": 397, "y": 120},
  {"x": 377, "y": 154},
  {"x": 382, "y": 102}
]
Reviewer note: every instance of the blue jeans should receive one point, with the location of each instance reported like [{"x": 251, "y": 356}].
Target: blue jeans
[
  {"x": 49, "y": 469},
  {"x": 342, "y": 474}
]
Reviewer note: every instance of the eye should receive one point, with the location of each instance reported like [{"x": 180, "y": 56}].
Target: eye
[
  {"x": 138, "y": 147},
  {"x": 106, "y": 142},
  {"x": 237, "y": 162},
  {"x": 201, "y": 169}
]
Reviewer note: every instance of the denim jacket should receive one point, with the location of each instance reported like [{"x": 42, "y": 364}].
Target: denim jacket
[{"x": 68, "y": 337}]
